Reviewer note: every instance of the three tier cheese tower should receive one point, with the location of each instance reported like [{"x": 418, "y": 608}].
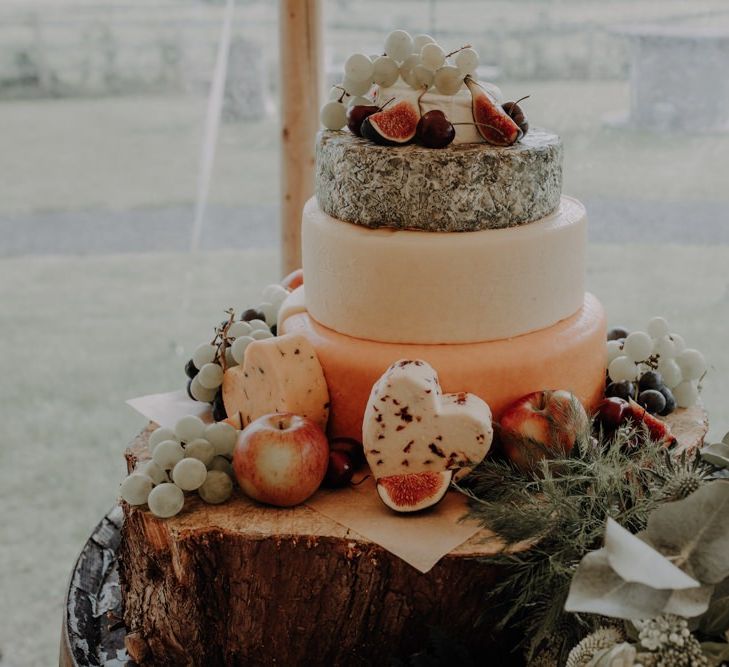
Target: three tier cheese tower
[{"x": 467, "y": 257}]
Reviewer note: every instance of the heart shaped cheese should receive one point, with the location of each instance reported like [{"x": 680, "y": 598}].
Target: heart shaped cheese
[
  {"x": 279, "y": 374},
  {"x": 411, "y": 426}
]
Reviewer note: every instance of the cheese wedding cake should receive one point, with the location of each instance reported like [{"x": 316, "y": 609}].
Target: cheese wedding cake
[{"x": 440, "y": 317}]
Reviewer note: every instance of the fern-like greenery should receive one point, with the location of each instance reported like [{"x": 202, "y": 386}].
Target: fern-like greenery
[{"x": 560, "y": 512}]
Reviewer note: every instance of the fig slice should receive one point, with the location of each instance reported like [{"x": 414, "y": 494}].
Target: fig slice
[
  {"x": 415, "y": 491},
  {"x": 658, "y": 430},
  {"x": 492, "y": 122},
  {"x": 395, "y": 125}
]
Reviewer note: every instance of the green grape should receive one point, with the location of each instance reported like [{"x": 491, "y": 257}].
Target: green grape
[
  {"x": 448, "y": 80},
  {"x": 217, "y": 488},
  {"x": 189, "y": 427},
  {"x": 136, "y": 488},
  {"x": 167, "y": 454},
  {"x": 239, "y": 329},
  {"x": 151, "y": 469},
  {"x": 386, "y": 71},
  {"x": 189, "y": 474},
  {"x": 355, "y": 88},
  {"x": 203, "y": 354},
  {"x": 358, "y": 67},
  {"x": 259, "y": 325},
  {"x": 432, "y": 56},
  {"x": 398, "y": 45},
  {"x": 276, "y": 294},
  {"x": 200, "y": 393},
  {"x": 270, "y": 311},
  {"x": 658, "y": 327},
  {"x": 333, "y": 115},
  {"x": 686, "y": 394},
  {"x": 222, "y": 464},
  {"x": 406, "y": 69},
  {"x": 159, "y": 435},
  {"x": 229, "y": 359},
  {"x": 692, "y": 364},
  {"x": 622, "y": 369},
  {"x": 467, "y": 61},
  {"x": 638, "y": 346},
  {"x": 422, "y": 76},
  {"x": 261, "y": 334},
  {"x": 211, "y": 376},
  {"x": 166, "y": 500},
  {"x": 238, "y": 349},
  {"x": 200, "y": 449},
  {"x": 419, "y": 41},
  {"x": 222, "y": 436}
]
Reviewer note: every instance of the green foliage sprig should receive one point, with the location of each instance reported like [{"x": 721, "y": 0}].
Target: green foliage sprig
[{"x": 559, "y": 513}]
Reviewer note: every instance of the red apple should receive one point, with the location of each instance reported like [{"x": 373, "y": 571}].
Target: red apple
[
  {"x": 281, "y": 459},
  {"x": 293, "y": 280},
  {"x": 544, "y": 424}
]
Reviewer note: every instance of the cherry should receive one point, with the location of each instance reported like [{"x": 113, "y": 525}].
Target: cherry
[
  {"x": 351, "y": 447},
  {"x": 356, "y": 115},
  {"x": 613, "y": 412},
  {"x": 339, "y": 471},
  {"x": 434, "y": 130},
  {"x": 515, "y": 112}
]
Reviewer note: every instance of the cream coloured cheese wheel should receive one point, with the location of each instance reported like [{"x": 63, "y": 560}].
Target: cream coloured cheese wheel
[{"x": 400, "y": 286}]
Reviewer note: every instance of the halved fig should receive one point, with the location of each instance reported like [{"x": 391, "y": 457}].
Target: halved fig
[
  {"x": 492, "y": 122},
  {"x": 415, "y": 491},
  {"x": 394, "y": 125},
  {"x": 658, "y": 430}
]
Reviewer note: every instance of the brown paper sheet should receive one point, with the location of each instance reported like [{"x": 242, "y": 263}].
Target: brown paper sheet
[{"x": 420, "y": 539}]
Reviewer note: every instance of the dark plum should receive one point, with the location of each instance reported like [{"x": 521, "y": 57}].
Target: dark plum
[
  {"x": 652, "y": 400},
  {"x": 624, "y": 390},
  {"x": 616, "y": 333},
  {"x": 190, "y": 370},
  {"x": 219, "y": 412},
  {"x": 670, "y": 401},
  {"x": 650, "y": 380},
  {"x": 339, "y": 471},
  {"x": 252, "y": 314}
]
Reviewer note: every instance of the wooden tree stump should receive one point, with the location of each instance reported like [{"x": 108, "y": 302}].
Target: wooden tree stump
[{"x": 240, "y": 583}]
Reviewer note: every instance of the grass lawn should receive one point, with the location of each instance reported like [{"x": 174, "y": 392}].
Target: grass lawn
[{"x": 81, "y": 335}]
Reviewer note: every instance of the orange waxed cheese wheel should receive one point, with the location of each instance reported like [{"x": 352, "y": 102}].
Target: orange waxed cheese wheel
[{"x": 568, "y": 355}]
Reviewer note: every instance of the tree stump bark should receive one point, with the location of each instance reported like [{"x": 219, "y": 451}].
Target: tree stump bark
[{"x": 243, "y": 584}]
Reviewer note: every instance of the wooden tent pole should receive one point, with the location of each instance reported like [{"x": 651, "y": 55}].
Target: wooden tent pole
[{"x": 300, "y": 34}]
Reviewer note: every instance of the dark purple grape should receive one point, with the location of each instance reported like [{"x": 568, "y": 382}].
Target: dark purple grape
[
  {"x": 670, "y": 401},
  {"x": 340, "y": 469},
  {"x": 189, "y": 391},
  {"x": 219, "y": 412},
  {"x": 616, "y": 333},
  {"x": 624, "y": 390},
  {"x": 652, "y": 400},
  {"x": 650, "y": 380},
  {"x": 252, "y": 314},
  {"x": 190, "y": 369}
]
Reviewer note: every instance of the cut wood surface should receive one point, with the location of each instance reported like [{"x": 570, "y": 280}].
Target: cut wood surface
[{"x": 240, "y": 583}]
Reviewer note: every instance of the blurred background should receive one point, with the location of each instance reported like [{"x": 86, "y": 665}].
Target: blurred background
[{"x": 102, "y": 110}]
